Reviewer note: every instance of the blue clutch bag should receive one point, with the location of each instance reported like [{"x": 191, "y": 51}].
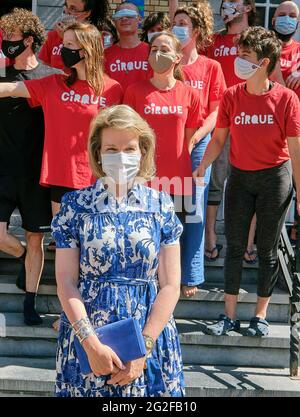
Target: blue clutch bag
[{"x": 124, "y": 337}]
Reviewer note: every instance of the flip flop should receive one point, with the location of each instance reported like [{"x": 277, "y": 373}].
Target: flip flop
[
  {"x": 217, "y": 248},
  {"x": 250, "y": 261}
]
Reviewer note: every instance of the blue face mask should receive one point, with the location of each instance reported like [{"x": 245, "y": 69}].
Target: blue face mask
[
  {"x": 181, "y": 33},
  {"x": 285, "y": 25}
]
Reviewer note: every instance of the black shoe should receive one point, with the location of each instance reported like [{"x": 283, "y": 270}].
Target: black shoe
[
  {"x": 21, "y": 278},
  {"x": 223, "y": 326},
  {"x": 258, "y": 327},
  {"x": 31, "y": 317}
]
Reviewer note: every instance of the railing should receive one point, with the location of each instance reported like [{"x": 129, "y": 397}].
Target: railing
[{"x": 289, "y": 260}]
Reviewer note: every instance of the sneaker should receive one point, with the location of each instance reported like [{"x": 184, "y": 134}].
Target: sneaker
[
  {"x": 223, "y": 326},
  {"x": 258, "y": 327}
]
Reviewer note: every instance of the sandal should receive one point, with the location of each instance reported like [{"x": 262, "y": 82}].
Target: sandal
[
  {"x": 250, "y": 253},
  {"x": 51, "y": 246},
  {"x": 223, "y": 326},
  {"x": 258, "y": 327},
  {"x": 211, "y": 258}
]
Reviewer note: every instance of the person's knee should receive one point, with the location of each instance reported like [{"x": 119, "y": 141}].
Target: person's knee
[{"x": 34, "y": 240}]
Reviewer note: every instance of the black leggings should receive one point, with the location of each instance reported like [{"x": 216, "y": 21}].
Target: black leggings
[{"x": 267, "y": 193}]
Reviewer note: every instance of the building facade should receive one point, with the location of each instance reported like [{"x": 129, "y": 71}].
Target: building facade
[{"x": 50, "y": 10}]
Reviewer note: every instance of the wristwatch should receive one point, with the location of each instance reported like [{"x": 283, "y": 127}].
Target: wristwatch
[{"x": 149, "y": 343}]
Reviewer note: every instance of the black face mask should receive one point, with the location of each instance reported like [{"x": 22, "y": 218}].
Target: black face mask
[
  {"x": 70, "y": 57},
  {"x": 12, "y": 49},
  {"x": 284, "y": 38}
]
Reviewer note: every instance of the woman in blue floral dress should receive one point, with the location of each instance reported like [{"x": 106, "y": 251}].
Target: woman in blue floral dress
[{"x": 117, "y": 257}]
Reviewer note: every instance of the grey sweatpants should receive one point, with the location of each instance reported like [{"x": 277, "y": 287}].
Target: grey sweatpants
[
  {"x": 220, "y": 171},
  {"x": 267, "y": 193}
]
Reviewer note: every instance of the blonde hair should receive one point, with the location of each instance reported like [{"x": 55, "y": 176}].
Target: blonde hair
[
  {"x": 122, "y": 117},
  {"x": 89, "y": 39},
  {"x": 178, "y": 74}
]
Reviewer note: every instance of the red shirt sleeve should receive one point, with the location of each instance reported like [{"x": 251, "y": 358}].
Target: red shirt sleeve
[
  {"x": 117, "y": 94},
  {"x": 223, "y": 119},
  {"x": 292, "y": 116},
  {"x": 217, "y": 83},
  {"x": 129, "y": 97},
  {"x": 194, "y": 118},
  {"x": 38, "y": 90}
]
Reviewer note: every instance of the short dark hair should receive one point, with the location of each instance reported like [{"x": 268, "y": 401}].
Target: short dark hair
[
  {"x": 128, "y": 2},
  {"x": 99, "y": 10},
  {"x": 28, "y": 23},
  {"x": 108, "y": 25},
  {"x": 263, "y": 42},
  {"x": 152, "y": 20}
]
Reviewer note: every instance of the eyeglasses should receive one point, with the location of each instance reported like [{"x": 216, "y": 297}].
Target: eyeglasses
[{"x": 72, "y": 10}]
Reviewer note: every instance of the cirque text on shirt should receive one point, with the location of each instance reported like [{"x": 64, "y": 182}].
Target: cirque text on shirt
[
  {"x": 197, "y": 84},
  {"x": 73, "y": 97},
  {"x": 254, "y": 119},
  {"x": 225, "y": 51},
  {"x": 119, "y": 66},
  {"x": 154, "y": 109},
  {"x": 293, "y": 61},
  {"x": 57, "y": 50}
]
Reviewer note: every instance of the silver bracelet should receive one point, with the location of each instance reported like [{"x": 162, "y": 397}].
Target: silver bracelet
[
  {"x": 82, "y": 322},
  {"x": 84, "y": 332}
]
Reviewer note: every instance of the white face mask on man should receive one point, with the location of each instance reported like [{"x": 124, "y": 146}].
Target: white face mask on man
[
  {"x": 121, "y": 167},
  {"x": 245, "y": 69}
]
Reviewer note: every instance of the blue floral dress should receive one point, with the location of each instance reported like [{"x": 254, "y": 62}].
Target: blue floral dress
[{"x": 119, "y": 246}]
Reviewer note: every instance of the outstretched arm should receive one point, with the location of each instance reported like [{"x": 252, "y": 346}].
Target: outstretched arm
[
  {"x": 173, "y": 6},
  {"x": 17, "y": 89}
]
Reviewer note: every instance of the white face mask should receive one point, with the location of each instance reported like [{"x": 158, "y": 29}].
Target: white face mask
[
  {"x": 244, "y": 69},
  {"x": 121, "y": 167}
]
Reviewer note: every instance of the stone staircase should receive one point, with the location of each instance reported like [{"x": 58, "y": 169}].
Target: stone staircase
[{"x": 233, "y": 365}]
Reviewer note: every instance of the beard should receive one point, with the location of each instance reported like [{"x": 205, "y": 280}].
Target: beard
[
  {"x": 237, "y": 19},
  {"x": 284, "y": 38}
]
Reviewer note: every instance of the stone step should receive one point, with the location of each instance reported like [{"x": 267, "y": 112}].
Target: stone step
[
  {"x": 35, "y": 377},
  {"x": 227, "y": 381},
  {"x": 13, "y": 303},
  {"x": 27, "y": 376},
  {"x": 197, "y": 347},
  {"x": 206, "y": 304},
  {"x": 213, "y": 270},
  {"x": 234, "y": 349}
]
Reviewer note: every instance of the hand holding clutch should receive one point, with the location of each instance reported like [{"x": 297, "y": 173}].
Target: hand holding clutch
[
  {"x": 133, "y": 370},
  {"x": 102, "y": 359}
]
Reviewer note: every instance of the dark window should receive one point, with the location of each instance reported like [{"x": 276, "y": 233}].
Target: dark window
[
  {"x": 7, "y": 5},
  {"x": 265, "y": 11}
]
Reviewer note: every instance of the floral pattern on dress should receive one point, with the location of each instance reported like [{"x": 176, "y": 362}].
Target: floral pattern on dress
[{"x": 119, "y": 244}]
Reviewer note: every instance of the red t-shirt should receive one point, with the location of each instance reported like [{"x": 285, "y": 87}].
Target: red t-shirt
[
  {"x": 68, "y": 112},
  {"x": 290, "y": 61},
  {"x": 168, "y": 113},
  {"x": 128, "y": 66},
  {"x": 259, "y": 125},
  {"x": 224, "y": 51},
  {"x": 50, "y": 53},
  {"x": 206, "y": 76}
]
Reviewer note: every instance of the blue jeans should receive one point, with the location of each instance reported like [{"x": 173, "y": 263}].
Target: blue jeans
[{"x": 192, "y": 241}]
